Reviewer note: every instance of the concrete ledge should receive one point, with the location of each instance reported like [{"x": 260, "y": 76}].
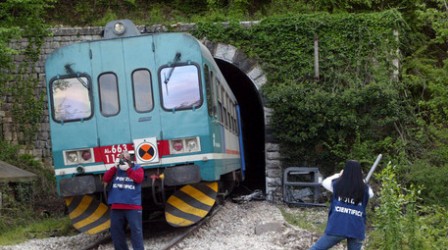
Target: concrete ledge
[{"x": 10, "y": 173}]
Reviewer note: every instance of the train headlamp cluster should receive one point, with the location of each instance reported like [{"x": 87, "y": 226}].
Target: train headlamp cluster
[
  {"x": 79, "y": 156},
  {"x": 185, "y": 145}
]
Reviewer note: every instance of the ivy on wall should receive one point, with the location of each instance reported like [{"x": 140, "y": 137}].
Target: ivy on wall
[
  {"x": 354, "y": 110},
  {"x": 28, "y": 105},
  {"x": 22, "y": 35}
]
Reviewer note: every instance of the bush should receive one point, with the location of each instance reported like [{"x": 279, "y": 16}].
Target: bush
[
  {"x": 431, "y": 178},
  {"x": 321, "y": 127},
  {"x": 400, "y": 222},
  {"x": 27, "y": 202}
]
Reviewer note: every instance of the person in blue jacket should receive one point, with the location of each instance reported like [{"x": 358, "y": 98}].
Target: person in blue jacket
[
  {"x": 347, "y": 214},
  {"x": 125, "y": 202}
]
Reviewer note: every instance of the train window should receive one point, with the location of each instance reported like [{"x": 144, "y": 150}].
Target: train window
[
  {"x": 224, "y": 111},
  {"x": 235, "y": 125},
  {"x": 71, "y": 99},
  {"x": 221, "y": 117},
  {"x": 141, "y": 84},
  {"x": 180, "y": 87},
  {"x": 208, "y": 89},
  {"x": 108, "y": 90},
  {"x": 218, "y": 97},
  {"x": 219, "y": 91},
  {"x": 213, "y": 86}
]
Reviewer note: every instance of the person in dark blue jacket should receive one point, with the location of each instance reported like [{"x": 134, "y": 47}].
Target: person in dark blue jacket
[
  {"x": 347, "y": 215},
  {"x": 125, "y": 202}
]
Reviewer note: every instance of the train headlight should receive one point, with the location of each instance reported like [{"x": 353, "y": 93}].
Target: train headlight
[
  {"x": 178, "y": 145},
  {"x": 192, "y": 145},
  {"x": 186, "y": 145},
  {"x": 119, "y": 28},
  {"x": 72, "y": 157},
  {"x": 78, "y": 156},
  {"x": 86, "y": 155}
]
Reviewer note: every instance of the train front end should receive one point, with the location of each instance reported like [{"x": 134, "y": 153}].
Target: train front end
[{"x": 144, "y": 94}]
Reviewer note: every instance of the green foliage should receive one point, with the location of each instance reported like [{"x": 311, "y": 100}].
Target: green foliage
[
  {"x": 22, "y": 20},
  {"x": 327, "y": 121},
  {"x": 23, "y": 203},
  {"x": 400, "y": 222},
  {"x": 319, "y": 127},
  {"x": 313, "y": 220},
  {"x": 6, "y": 53},
  {"x": 107, "y": 17},
  {"x": 431, "y": 178},
  {"x": 44, "y": 186},
  {"x": 42, "y": 228}
]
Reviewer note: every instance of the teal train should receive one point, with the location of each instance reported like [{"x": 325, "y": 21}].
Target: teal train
[{"x": 160, "y": 96}]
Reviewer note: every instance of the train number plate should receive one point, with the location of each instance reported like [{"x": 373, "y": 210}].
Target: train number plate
[{"x": 108, "y": 154}]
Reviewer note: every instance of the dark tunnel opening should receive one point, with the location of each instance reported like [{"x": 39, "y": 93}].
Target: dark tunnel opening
[{"x": 253, "y": 124}]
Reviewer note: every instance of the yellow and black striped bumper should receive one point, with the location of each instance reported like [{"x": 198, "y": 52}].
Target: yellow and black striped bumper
[
  {"x": 87, "y": 214},
  {"x": 190, "y": 204}
]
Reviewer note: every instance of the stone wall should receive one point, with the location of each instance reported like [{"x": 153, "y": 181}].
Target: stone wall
[{"x": 41, "y": 146}]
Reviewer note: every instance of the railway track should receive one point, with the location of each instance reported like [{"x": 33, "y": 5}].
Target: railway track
[
  {"x": 176, "y": 240},
  {"x": 178, "y": 234}
]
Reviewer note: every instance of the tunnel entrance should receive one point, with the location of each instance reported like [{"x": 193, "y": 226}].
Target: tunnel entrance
[{"x": 253, "y": 124}]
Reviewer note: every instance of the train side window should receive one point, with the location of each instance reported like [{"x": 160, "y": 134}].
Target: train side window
[
  {"x": 214, "y": 92},
  {"x": 142, "y": 88},
  {"x": 223, "y": 110},
  {"x": 180, "y": 87},
  {"x": 208, "y": 89},
  {"x": 219, "y": 94},
  {"x": 216, "y": 96},
  {"x": 108, "y": 90},
  {"x": 71, "y": 99}
]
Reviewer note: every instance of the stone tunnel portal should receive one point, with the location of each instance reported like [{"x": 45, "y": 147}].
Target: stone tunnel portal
[{"x": 253, "y": 124}]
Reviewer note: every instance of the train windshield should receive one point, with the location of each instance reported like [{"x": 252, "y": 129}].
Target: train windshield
[
  {"x": 71, "y": 99},
  {"x": 180, "y": 87}
]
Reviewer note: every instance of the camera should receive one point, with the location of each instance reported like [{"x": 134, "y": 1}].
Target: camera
[{"x": 121, "y": 161}]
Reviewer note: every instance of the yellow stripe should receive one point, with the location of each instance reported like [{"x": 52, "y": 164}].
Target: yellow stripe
[
  {"x": 100, "y": 211},
  {"x": 185, "y": 207},
  {"x": 100, "y": 228},
  {"x": 177, "y": 221},
  {"x": 213, "y": 185},
  {"x": 198, "y": 195},
  {"x": 68, "y": 201},
  {"x": 81, "y": 208}
]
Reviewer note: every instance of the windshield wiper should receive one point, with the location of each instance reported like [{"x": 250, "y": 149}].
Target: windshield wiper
[
  {"x": 69, "y": 70},
  {"x": 168, "y": 76}
]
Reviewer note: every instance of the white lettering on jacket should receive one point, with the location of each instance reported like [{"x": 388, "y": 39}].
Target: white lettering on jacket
[
  {"x": 348, "y": 211},
  {"x": 130, "y": 186}
]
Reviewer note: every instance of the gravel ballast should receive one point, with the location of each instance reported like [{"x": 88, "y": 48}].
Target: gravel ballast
[{"x": 250, "y": 225}]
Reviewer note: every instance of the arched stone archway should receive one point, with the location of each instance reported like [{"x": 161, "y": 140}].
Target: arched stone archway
[{"x": 262, "y": 156}]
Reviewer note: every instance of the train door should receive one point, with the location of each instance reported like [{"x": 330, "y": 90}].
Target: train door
[
  {"x": 123, "y": 68},
  {"x": 179, "y": 59},
  {"x": 69, "y": 93}
]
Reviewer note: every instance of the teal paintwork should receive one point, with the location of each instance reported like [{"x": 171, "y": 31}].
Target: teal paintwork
[{"x": 121, "y": 56}]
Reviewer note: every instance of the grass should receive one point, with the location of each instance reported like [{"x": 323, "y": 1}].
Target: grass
[
  {"x": 312, "y": 219},
  {"x": 49, "y": 227}
]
